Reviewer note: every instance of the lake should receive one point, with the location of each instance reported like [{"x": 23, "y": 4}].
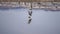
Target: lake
[{"x": 15, "y": 21}]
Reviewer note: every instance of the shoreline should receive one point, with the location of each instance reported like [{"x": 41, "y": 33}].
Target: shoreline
[{"x": 47, "y": 6}]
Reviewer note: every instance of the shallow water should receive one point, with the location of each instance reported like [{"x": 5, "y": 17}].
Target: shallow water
[{"x": 15, "y": 21}]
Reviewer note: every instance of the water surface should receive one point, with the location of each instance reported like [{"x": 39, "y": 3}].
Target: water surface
[{"x": 15, "y": 21}]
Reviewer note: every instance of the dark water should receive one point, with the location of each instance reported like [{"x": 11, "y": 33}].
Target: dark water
[{"x": 15, "y": 21}]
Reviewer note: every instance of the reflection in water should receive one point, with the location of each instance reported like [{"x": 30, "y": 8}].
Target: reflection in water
[
  {"x": 30, "y": 14},
  {"x": 29, "y": 21}
]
